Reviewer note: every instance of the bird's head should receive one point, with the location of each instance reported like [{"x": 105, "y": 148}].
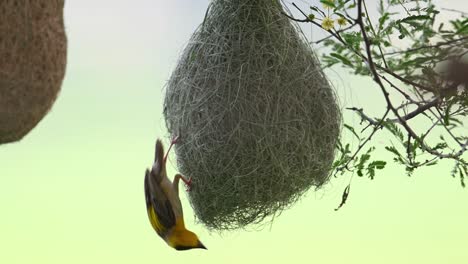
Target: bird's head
[{"x": 184, "y": 240}]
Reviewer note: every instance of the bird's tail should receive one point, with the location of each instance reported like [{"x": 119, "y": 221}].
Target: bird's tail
[
  {"x": 158, "y": 168},
  {"x": 159, "y": 152}
]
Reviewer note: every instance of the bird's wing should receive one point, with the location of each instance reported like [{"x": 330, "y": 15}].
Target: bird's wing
[{"x": 160, "y": 211}]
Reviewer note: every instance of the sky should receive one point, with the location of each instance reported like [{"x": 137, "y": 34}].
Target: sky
[{"x": 72, "y": 190}]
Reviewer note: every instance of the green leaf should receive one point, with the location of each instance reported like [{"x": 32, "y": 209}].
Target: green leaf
[
  {"x": 328, "y": 3},
  {"x": 381, "y": 8},
  {"x": 456, "y": 121},
  {"x": 352, "y": 39},
  {"x": 342, "y": 59},
  {"x": 359, "y": 173},
  {"x": 362, "y": 160},
  {"x": 378, "y": 164},
  {"x": 440, "y": 146},
  {"x": 414, "y": 18},
  {"x": 463, "y": 30},
  {"x": 344, "y": 197},
  {"x": 441, "y": 27},
  {"x": 462, "y": 178},
  {"x": 314, "y": 8},
  {"x": 403, "y": 31},
  {"x": 371, "y": 173},
  {"x": 375, "y": 165},
  {"x": 409, "y": 170},
  {"x": 350, "y": 128},
  {"x": 393, "y": 150},
  {"x": 384, "y": 18},
  {"x": 398, "y": 157},
  {"x": 460, "y": 26},
  {"x": 394, "y": 130}
]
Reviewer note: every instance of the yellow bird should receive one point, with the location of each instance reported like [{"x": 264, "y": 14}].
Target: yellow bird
[{"x": 164, "y": 206}]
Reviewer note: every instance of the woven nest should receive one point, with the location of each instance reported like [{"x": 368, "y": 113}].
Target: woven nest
[
  {"x": 257, "y": 118},
  {"x": 32, "y": 63}
]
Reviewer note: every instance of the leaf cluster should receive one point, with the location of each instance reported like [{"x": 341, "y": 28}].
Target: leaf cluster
[{"x": 420, "y": 63}]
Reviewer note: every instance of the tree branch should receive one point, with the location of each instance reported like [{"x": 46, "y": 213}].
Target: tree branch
[
  {"x": 438, "y": 45},
  {"x": 379, "y": 73},
  {"x": 406, "y": 117},
  {"x": 390, "y": 106}
]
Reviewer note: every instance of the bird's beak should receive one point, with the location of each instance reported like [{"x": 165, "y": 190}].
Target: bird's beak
[{"x": 200, "y": 245}]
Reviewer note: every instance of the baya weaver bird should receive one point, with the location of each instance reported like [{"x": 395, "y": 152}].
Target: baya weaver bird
[{"x": 164, "y": 206}]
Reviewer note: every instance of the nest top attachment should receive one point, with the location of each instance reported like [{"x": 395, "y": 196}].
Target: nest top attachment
[{"x": 257, "y": 118}]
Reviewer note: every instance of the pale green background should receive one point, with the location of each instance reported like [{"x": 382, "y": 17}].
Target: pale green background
[{"x": 72, "y": 190}]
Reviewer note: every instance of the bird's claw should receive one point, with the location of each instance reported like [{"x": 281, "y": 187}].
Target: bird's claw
[
  {"x": 175, "y": 139},
  {"x": 188, "y": 184}
]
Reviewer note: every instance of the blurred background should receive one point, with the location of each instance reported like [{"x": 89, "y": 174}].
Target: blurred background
[{"x": 72, "y": 190}]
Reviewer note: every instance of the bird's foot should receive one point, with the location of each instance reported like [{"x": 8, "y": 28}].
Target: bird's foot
[
  {"x": 188, "y": 184},
  {"x": 174, "y": 140}
]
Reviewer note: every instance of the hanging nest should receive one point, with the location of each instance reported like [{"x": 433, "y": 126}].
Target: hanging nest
[
  {"x": 257, "y": 118},
  {"x": 32, "y": 63}
]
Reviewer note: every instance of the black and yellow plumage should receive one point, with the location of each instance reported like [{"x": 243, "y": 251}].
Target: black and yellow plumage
[{"x": 164, "y": 207}]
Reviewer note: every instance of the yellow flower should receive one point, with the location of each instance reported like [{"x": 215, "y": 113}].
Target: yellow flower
[
  {"x": 328, "y": 4},
  {"x": 328, "y": 23},
  {"x": 341, "y": 21}
]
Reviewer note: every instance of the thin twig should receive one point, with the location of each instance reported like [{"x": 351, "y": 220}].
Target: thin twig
[
  {"x": 373, "y": 31},
  {"x": 419, "y": 110},
  {"x": 336, "y": 32},
  {"x": 407, "y": 96},
  {"x": 377, "y": 126},
  {"x": 448, "y": 130},
  {"x": 438, "y": 45},
  {"x": 406, "y": 117},
  {"x": 361, "y": 113},
  {"x": 404, "y": 7},
  {"x": 456, "y": 11}
]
